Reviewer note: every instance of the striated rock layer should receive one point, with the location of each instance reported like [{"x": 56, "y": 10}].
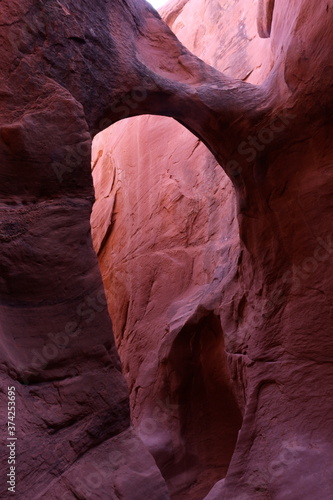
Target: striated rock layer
[
  {"x": 67, "y": 73},
  {"x": 221, "y": 298},
  {"x": 72, "y": 424},
  {"x": 165, "y": 229}
]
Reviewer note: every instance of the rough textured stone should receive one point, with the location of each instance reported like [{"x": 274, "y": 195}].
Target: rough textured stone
[
  {"x": 176, "y": 270},
  {"x": 157, "y": 222},
  {"x": 165, "y": 230},
  {"x": 68, "y": 72},
  {"x": 56, "y": 336}
]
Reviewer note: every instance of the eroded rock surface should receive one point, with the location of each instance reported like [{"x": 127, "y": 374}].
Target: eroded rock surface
[
  {"x": 165, "y": 230},
  {"x": 68, "y": 72},
  {"x": 178, "y": 274}
]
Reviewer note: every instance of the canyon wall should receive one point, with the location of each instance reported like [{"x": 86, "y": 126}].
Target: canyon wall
[
  {"x": 165, "y": 230},
  {"x": 214, "y": 326},
  {"x": 221, "y": 300}
]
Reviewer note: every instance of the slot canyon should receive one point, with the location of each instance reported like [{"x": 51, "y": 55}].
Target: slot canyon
[{"x": 166, "y": 294}]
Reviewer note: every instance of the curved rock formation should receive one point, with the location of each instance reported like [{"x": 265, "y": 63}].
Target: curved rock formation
[
  {"x": 67, "y": 73},
  {"x": 165, "y": 230},
  {"x": 183, "y": 264}
]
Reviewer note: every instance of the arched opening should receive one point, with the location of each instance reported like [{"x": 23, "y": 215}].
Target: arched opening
[
  {"x": 198, "y": 383},
  {"x": 165, "y": 232}
]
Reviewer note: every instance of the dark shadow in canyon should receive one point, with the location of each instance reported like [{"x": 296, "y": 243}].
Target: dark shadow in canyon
[
  {"x": 190, "y": 422},
  {"x": 198, "y": 381}
]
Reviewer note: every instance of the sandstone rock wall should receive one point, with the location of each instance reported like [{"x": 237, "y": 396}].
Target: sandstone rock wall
[
  {"x": 258, "y": 304},
  {"x": 73, "y": 422},
  {"x": 181, "y": 281},
  {"x": 165, "y": 229}
]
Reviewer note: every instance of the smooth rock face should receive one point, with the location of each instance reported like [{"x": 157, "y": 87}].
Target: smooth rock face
[
  {"x": 260, "y": 304},
  {"x": 180, "y": 277},
  {"x": 72, "y": 421},
  {"x": 158, "y": 239},
  {"x": 165, "y": 229}
]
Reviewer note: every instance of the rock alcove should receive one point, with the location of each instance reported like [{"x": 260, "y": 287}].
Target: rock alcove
[{"x": 67, "y": 73}]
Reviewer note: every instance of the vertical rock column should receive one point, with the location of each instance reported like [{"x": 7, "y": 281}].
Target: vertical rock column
[{"x": 57, "y": 349}]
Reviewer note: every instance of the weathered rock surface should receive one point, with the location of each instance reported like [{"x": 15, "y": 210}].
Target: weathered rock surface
[
  {"x": 58, "y": 351},
  {"x": 165, "y": 230},
  {"x": 68, "y": 72},
  {"x": 158, "y": 237},
  {"x": 179, "y": 277}
]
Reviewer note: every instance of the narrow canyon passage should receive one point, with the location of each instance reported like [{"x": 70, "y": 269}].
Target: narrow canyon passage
[
  {"x": 231, "y": 302},
  {"x": 199, "y": 383},
  {"x": 284, "y": 244},
  {"x": 175, "y": 365}
]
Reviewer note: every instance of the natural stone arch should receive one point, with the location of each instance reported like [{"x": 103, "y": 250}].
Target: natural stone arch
[
  {"x": 160, "y": 198},
  {"x": 37, "y": 78}
]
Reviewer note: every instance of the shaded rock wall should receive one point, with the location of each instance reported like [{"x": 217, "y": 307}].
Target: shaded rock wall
[
  {"x": 73, "y": 422},
  {"x": 173, "y": 264},
  {"x": 158, "y": 256},
  {"x": 165, "y": 229},
  {"x": 69, "y": 72}
]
